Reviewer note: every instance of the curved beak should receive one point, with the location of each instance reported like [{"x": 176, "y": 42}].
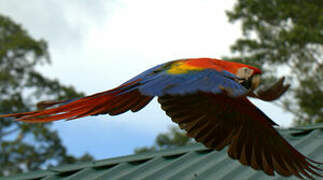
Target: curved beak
[{"x": 255, "y": 81}]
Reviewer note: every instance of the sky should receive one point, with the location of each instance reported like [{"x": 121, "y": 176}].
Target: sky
[{"x": 97, "y": 45}]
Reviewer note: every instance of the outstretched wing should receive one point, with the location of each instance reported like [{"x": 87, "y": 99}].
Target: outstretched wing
[
  {"x": 217, "y": 120},
  {"x": 173, "y": 78},
  {"x": 180, "y": 78}
]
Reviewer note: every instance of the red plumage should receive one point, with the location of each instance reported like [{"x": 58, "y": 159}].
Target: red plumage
[{"x": 206, "y": 97}]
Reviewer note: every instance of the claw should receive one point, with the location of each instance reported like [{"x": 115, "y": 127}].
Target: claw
[{"x": 273, "y": 92}]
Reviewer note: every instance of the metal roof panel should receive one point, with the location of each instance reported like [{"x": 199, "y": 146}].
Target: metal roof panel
[{"x": 189, "y": 162}]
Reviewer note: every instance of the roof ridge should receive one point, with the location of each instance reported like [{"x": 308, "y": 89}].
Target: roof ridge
[
  {"x": 308, "y": 127},
  {"x": 146, "y": 156}
]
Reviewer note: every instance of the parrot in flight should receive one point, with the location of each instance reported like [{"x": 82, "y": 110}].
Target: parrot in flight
[{"x": 206, "y": 97}]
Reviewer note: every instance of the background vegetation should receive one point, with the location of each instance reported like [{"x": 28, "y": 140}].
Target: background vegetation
[
  {"x": 26, "y": 147},
  {"x": 281, "y": 37}
]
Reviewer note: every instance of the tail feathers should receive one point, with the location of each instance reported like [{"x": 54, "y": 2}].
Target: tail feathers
[{"x": 113, "y": 102}]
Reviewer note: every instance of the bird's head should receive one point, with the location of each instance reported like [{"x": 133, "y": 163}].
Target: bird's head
[{"x": 249, "y": 77}]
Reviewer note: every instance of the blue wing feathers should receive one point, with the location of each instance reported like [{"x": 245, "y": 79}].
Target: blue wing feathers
[{"x": 158, "y": 82}]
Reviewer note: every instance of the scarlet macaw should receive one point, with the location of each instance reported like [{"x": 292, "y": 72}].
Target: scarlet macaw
[{"x": 207, "y": 98}]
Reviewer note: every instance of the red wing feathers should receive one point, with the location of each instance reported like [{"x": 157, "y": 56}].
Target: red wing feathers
[
  {"x": 111, "y": 102},
  {"x": 193, "y": 93},
  {"x": 218, "y": 120}
]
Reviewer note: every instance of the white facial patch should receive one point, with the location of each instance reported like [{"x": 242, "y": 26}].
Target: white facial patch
[{"x": 244, "y": 73}]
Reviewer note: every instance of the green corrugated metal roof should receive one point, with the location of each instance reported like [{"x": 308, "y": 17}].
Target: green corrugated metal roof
[{"x": 189, "y": 162}]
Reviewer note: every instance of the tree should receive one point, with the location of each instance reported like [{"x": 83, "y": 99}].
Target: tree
[
  {"x": 26, "y": 147},
  {"x": 285, "y": 36},
  {"x": 282, "y": 36},
  {"x": 174, "y": 138}
]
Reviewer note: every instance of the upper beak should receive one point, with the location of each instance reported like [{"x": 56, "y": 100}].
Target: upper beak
[{"x": 255, "y": 81}]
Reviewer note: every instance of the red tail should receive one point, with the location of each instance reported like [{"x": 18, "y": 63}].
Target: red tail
[{"x": 113, "y": 102}]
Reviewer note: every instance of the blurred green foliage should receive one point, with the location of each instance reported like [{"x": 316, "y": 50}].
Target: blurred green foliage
[
  {"x": 26, "y": 147},
  {"x": 285, "y": 38},
  {"x": 282, "y": 38},
  {"x": 174, "y": 138}
]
